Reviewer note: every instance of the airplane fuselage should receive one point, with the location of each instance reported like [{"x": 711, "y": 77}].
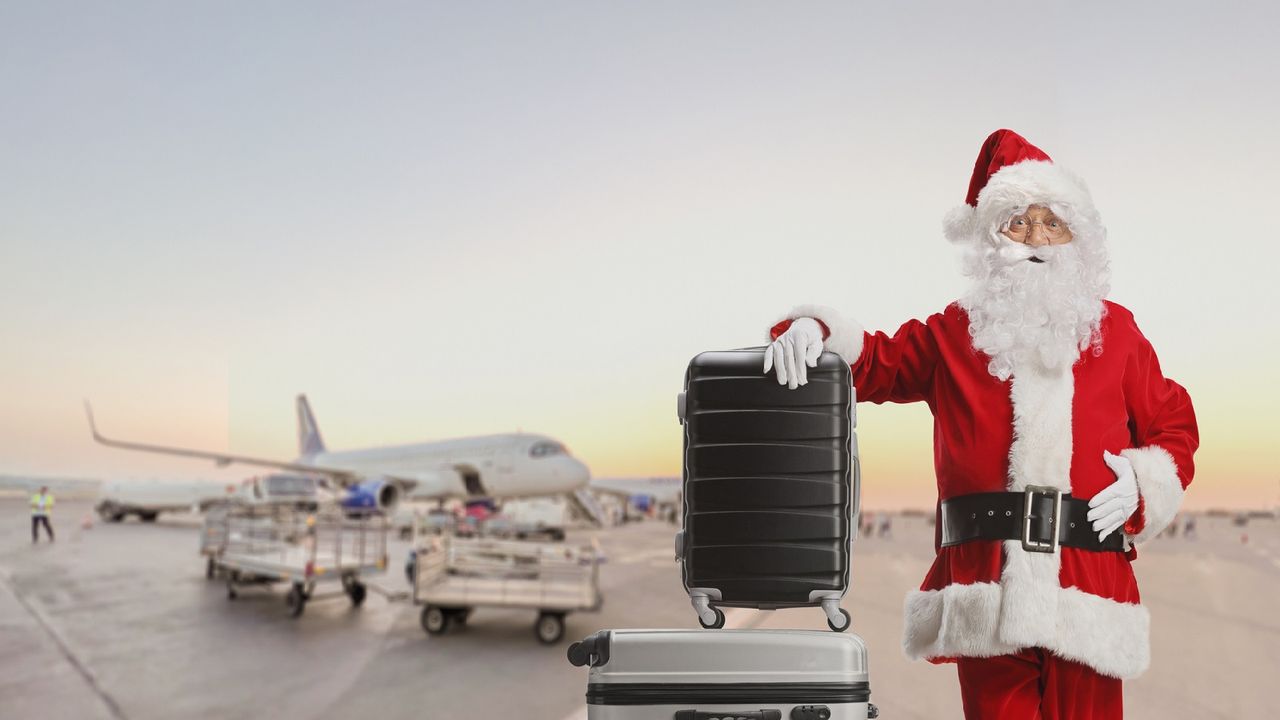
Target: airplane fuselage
[
  {"x": 503, "y": 466},
  {"x": 485, "y": 466}
]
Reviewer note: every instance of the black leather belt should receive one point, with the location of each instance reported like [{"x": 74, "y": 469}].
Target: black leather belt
[{"x": 1030, "y": 516}]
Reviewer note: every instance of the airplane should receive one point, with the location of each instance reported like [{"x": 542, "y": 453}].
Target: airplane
[{"x": 508, "y": 465}]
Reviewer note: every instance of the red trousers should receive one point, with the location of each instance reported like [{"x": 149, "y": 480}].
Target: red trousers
[{"x": 1035, "y": 684}]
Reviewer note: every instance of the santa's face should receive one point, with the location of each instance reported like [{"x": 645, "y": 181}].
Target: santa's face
[
  {"x": 1036, "y": 298},
  {"x": 1037, "y": 226}
]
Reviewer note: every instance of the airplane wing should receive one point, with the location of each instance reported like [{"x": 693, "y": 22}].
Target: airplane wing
[
  {"x": 623, "y": 495},
  {"x": 342, "y": 477},
  {"x": 660, "y": 489}
]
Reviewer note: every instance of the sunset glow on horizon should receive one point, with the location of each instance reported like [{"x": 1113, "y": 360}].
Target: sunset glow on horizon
[{"x": 445, "y": 221}]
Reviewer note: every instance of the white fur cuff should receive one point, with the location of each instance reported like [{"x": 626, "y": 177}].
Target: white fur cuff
[
  {"x": 846, "y": 335},
  {"x": 970, "y": 620},
  {"x": 1159, "y": 485}
]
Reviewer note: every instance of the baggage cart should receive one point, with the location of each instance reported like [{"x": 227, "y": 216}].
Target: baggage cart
[
  {"x": 454, "y": 575},
  {"x": 254, "y": 544},
  {"x": 213, "y": 537},
  {"x": 770, "y": 486}
]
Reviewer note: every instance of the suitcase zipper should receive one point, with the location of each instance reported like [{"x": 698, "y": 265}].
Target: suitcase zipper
[{"x": 726, "y": 693}]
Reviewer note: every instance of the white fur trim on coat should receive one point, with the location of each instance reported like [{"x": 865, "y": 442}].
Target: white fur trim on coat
[
  {"x": 971, "y": 621},
  {"x": 1040, "y": 455},
  {"x": 846, "y": 335},
  {"x": 1041, "y": 449},
  {"x": 1159, "y": 485},
  {"x": 1029, "y": 607}
]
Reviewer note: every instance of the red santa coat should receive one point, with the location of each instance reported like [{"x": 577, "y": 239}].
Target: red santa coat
[{"x": 1038, "y": 428}]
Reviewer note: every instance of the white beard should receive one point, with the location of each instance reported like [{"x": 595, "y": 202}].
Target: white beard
[{"x": 1046, "y": 314}]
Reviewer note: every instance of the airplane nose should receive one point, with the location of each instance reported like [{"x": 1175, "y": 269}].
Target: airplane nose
[{"x": 577, "y": 472}]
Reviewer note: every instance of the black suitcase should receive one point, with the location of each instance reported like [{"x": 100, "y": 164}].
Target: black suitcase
[{"x": 770, "y": 486}]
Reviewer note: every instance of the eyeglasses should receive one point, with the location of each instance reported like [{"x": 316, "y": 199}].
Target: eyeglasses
[{"x": 1019, "y": 227}]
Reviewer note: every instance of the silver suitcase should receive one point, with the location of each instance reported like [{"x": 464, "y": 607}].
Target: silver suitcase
[{"x": 748, "y": 674}]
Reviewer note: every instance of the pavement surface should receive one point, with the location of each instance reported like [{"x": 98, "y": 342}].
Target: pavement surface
[{"x": 118, "y": 621}]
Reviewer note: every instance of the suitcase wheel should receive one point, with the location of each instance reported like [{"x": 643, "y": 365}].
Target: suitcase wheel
[
  {"x": 715, "y": 624},
  {"x": 847, "y": 622}
]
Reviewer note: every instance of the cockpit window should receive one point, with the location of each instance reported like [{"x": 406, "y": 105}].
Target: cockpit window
[{"x": 545, "y": 449}]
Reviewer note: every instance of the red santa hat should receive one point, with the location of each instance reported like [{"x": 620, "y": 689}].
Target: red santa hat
[{"x": 1010, "y": 175}]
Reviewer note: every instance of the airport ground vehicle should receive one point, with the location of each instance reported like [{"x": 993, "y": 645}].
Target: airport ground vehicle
[
  {"x": 455, "y": 575},
  {"x": 263, "y": 544}
]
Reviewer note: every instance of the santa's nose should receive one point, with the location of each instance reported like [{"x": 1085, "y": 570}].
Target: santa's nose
[{"x": 1037, "y": 237}]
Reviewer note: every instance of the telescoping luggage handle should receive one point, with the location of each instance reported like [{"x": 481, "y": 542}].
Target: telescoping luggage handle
[
  {"x": 730, "y": 715},
  {"x": 799, "y": 712}
]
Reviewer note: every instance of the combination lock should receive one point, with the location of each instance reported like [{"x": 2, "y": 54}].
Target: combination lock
[{"x": 810, "y": 712}]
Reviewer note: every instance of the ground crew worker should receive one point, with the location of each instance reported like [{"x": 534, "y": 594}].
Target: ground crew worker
[{"x": 41, "y": 506}]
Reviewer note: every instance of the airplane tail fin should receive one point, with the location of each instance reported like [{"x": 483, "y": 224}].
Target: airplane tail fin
[{"x": 309, "y": 440}]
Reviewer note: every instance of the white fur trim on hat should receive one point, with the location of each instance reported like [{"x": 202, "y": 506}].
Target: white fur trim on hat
[
  {"x": 1017, "y": 186},
  {"x": 971, "y": 621},
  {"x": 846, "y": 335},
  {"x": 1159, "y": 485}
]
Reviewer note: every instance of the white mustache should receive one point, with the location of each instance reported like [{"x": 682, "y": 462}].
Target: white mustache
[{"x": 1012, "y": 253}]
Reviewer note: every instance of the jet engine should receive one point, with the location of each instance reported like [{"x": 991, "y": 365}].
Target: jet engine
[{"x": 373, "y": 495}]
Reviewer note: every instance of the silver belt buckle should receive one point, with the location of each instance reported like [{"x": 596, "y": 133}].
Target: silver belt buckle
[{"x": 1038, "y": 545}]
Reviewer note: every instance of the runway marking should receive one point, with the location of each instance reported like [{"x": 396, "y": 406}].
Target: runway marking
[
  {"x": 390, "y": 595},
  {"x": 65, "y": 649},
  {"x": 579, "y": 714},
  {"x": 738, "y": 618},
  {"x": 1265, "y": 554}
]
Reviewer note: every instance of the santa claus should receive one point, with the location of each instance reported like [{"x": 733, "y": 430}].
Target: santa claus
[{"x": 1058, "y": 444}]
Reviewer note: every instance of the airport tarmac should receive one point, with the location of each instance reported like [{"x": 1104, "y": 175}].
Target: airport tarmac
[{"x": 118, "y": 621}]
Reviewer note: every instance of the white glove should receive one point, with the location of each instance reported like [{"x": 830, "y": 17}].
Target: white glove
[
  {"x": 1110, "y": 508},
  {"x": 794, "y": 351}
]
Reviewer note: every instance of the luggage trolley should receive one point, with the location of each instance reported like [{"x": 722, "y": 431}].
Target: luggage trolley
[
  {"x": 453, "y": 575},
  {"x": 213, "y": 537},
  {"x": 262, "y": 544}
]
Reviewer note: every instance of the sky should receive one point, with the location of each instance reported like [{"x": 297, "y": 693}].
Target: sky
[{"x": 449, "y": 219}]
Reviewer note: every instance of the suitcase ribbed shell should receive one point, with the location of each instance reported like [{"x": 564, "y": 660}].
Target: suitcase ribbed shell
[{"x": 769, "y": 481}]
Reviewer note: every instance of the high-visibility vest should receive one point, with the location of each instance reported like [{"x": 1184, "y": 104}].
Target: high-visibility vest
[{"x": 41, "y": 504}]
